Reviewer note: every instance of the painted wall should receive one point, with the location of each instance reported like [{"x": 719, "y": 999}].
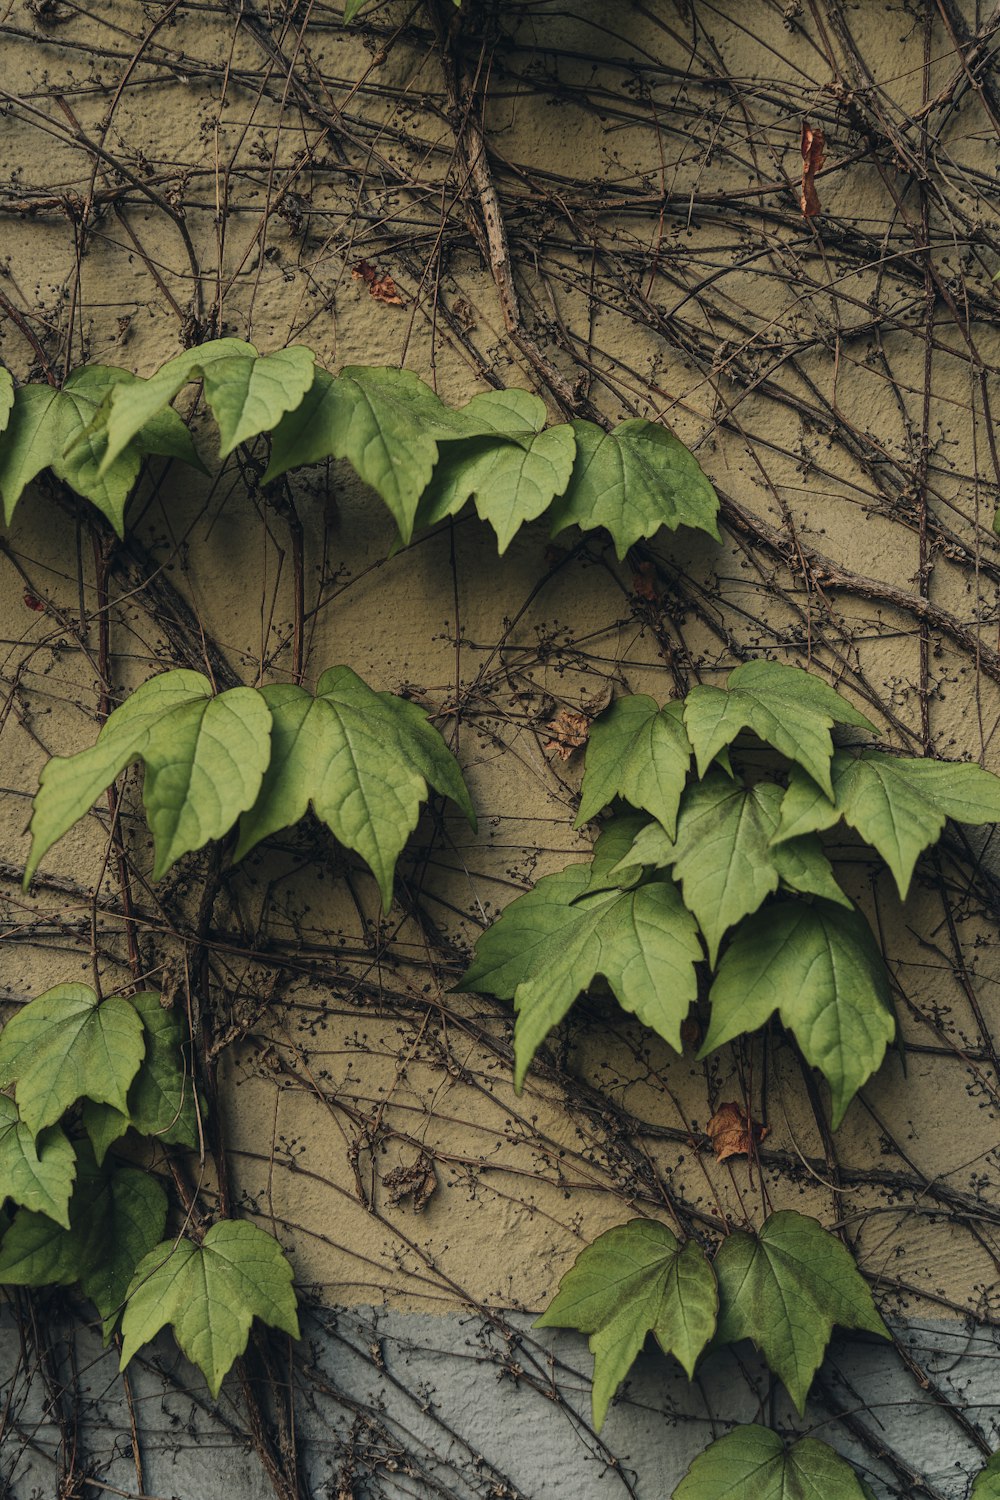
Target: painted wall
[{"x": 192, "y": 168}]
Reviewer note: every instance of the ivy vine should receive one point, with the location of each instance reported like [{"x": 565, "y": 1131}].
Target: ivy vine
[{"x": 708, "y": 886}]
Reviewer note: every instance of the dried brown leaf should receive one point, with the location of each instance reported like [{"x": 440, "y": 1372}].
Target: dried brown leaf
[
  {"x": 644, "y": 582},
  {"x": 569, "y": 731},
  {"x": 730, "y": 1129},
  {"x": 382, "y": 288},
  {"x": 813, "y": 144},
  {"x": 417, "y": 1182}
]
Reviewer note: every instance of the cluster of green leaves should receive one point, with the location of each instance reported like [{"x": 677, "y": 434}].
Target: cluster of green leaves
[
  {"x": 363, "y": 760},
  {"x": 85, "y": 1072},
  {"x": 711, "y": 858},
  {"x": 784, "y": 1288},
  {"x": 425, "y": 459}
]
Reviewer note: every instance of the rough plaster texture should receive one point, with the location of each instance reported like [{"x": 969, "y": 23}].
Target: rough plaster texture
[
  {"x": 793, "y": 355},
  {"x": 432, "y": 1418}
]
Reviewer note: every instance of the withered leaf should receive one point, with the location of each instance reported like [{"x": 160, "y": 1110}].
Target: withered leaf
[
  {"x": 382, "y": 288},
  {"x": 729, "y": 1130},
  {"x": 417, "y": 1182},
  {"x": 813, "y": 143},
  {"x": 569, "y": 731},
  {"x": 644, "y": 582}
]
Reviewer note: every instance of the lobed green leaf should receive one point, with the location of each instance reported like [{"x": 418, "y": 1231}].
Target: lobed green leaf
[
  {"x": 204, "y": 759},
  {"x": 633, "y": 480},
  {"x": 635, "y": 1280},
  {"x": 752, "y": 1463},
  {"x": 210, "y": 1294},
  {"x": 785, "y": 1288},
  {"x": 116, "y": 1216},
  {"x": 68, "y": 1045},
  {"x": 638, "y": 751},
  {"x": 819, "y": 967},
  {"x": 897, "y": 804},
  {"x": 551, "y": 944},
  {"x": 363, "y": 760},
  {"x": 36, "y": 1170},
  {"x": 787, "y": 708}
]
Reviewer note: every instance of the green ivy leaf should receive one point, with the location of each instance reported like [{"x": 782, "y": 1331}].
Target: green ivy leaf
[
  {"x": 161, "y": 1100},
  {"x": 784, "y": 706},
  {"x": 30, "y": 442},
  {"x": 785, "y": 1288},
  {"x": 68, "y": 1045},
  {"x": 204, "y": 759},
  {"x": 819, "y": 967},
  {"x": 210, "y": 1294},
  {"x": 36, "y": 1172},
  {"x": 897, "y": 804},
  {"x": 632, "y": 481},
  {"x": 81, "y": 441},
  {"x": 6, "y": 397},
  {"x": 250, "y": 394},
  {"x": 723, "y": 858},
  {"x": 551, "y": 944},
  {"x": 752, "y": 1463},
  {"x": 132, "y": 406},
  {"x": 385, "y": 422},
  {"x": 104, "y": 1125},
  {"x": 632, "y": 1281},
  {"x": 363, "y": 759},
  {"x": 638, "y": 751},
  {"x": 986, "y": 1485},
  {"x": 116, "y": 1216},
  {"x": 513, "y": 478}
]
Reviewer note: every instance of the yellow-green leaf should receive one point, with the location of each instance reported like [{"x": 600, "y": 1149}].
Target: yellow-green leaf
[
  {"x": 204, "y": 759},
  {"x": 632, "y": 1281},
  {"x": 210, "y": 1294},
  {"x": 68, "y": 1045}
]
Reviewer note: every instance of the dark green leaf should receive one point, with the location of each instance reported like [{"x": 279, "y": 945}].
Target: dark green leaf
[
  {"x": 785, "y": 1289},
  {"x": 752, "y": 1463},
  {"x": 161, "y": 1102},
  {"x": 116, "y": 1216},
  {"x": 36, "y": 1172},
  {"x": 819, "y": 967}
]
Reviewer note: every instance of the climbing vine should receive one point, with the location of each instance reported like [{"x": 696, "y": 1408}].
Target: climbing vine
[
  {"x": 736, "y": 916},
  {"x": 706, "y": 862}
]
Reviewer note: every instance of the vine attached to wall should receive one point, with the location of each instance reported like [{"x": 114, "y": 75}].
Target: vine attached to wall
[{"x": 708, "y": 885}]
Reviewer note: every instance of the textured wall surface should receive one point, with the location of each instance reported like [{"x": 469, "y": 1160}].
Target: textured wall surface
[{"x": 176, "y": 171}]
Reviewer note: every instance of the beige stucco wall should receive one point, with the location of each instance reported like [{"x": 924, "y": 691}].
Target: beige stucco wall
[{"x": 656, "y": 231}]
